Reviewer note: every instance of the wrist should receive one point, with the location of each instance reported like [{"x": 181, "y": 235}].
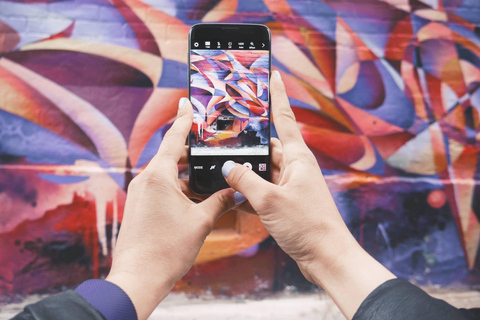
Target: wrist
[
  {"x": 328, "y": 254},
  {"x": 144, "y": 292},
  {"x": 346, "y": 272}
]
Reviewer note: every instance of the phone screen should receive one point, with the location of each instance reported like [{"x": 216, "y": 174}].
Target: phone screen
[{"x": 229, "y": 91}]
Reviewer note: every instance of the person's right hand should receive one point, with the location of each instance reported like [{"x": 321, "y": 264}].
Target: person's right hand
[{"x": 299, "y": 212}]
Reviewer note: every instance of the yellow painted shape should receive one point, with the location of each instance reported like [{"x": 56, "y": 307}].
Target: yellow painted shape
[
  {"x": 221, "y": 11},
  {"x": 169, "y": 32},
  {"x": 288, "y": 54},
  {"x": 472, "y": 239},
  {"x": 348, "y": 79},
  {"x": 151, "y": 65},
  {"x": 431, "y": 14},
  {"x": 105, "y": 136}
]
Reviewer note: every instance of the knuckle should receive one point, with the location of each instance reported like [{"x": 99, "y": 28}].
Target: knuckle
[
  {"x": 237, "y": 174},
  {"x": 150, "y": 177},
  {"x": 166, "y": 153},
  {"x": 271, "y": 199},
  {"x": 173, "y": 133},
  {"x": 207, "y": 222},
  {"x": 133, "y": 184},
  {"x": 275, "y": 141},
  {"x": 308, "y": 157},
  {"x": 184, "y": 113},
  {"x": 181, "y": 113},
  {"x": 225, "y": 201}
]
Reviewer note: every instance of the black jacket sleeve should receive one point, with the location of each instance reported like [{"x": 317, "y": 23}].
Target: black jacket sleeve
[
  {"x": 67, "y": 305},
  {"x": 400, "y": 300}
]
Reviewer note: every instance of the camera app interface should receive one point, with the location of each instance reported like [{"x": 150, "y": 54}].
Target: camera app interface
[{"x": 229, "y": 92}]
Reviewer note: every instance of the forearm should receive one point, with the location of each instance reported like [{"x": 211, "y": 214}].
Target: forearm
[{"x": 346, "y": 271}]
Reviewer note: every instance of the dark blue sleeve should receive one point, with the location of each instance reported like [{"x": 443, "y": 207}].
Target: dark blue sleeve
[
  {"x": 67, "y": 305},
  {"x": 109, "y": 299},
  {"x": 400, "y": 300}
]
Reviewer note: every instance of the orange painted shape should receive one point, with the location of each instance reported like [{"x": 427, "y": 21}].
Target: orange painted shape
[
  {"x": 411, "y": 80},
  {"x": 463, "y": 169},
  {"x": 295, "y": 60},
  {"x": 453, "y": 18},
  {"x": 169, "y": 32},
  {"x": 348, "y": 79},
  {"x": 437, "y": 199},
  {"x": 221, "y": 11},
  {"x": 439, "y": 149},
  {"x": 333, "y": 144},
  {"x": 369, "y": 157},
  {"x": 303, "y": 91},
  {"x": 470, "y": 72},
  {"x": 431, "y": 14},
  {"x": 456, "y": 119},
  {"x": 160, "y": 108},
  {"x": 368, "y": 124},
  {"x": 350, "y": 180},
  {"x": 330, "y": 108},
  {"x": 452, "y": 75},
  {"x": 399, "y": 39},
  {"x": 278, "y": 7},
  {"x": 293, "y": 33},
  {"x": 472, "y": 239},
  {"x": 364, "y": 52},
  {"x": 467, "y": 43},
  {"x": 108, "y": 141},
  {"x": 318, "y": 119},
  {"x": 434, "y": 30},
  {"x": 9, "y": 38},
  {"x": 389, "y": 144},
  {"x": 151, "y": 65},
  {"x": 232, "y": 236},
  {"x": 435, "y": 94},
  {"x": 322, "y": 50},
  {"x": 21, "y": 99}
]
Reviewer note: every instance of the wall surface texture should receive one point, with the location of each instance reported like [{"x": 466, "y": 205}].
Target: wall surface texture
[{"x": 386, "y": 93}]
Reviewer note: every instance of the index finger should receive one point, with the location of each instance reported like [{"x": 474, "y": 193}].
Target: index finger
[
  {"x": 173, "y": 144},
  {"x": 285, "y": 122}
]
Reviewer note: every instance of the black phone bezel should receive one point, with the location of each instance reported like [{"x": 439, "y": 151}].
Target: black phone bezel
[{"x": 256, "y": 32}]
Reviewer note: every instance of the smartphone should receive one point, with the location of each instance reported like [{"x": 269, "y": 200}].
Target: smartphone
[{"x": 229, "y": 90}]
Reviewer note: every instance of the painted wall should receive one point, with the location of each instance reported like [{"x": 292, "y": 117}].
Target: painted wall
[{"x": 386, "y": 94}]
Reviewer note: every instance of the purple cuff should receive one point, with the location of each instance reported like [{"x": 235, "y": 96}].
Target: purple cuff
[{"x": 111, "y": 301}]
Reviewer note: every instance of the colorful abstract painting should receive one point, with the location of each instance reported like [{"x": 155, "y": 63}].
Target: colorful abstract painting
[
  {"x": 385, "y": 92},
  {"x": 229, "y": 93}
]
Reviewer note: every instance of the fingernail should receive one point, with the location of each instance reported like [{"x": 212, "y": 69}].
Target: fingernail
[
  {"x": 182, "y": 102},
  {"x": 239, "y": 198},
  {"x": 278, "y": 74},
  {"x": 227, "y": 167}
]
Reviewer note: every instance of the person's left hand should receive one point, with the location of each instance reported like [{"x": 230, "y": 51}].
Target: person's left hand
[{"x": 162, "y": 229}]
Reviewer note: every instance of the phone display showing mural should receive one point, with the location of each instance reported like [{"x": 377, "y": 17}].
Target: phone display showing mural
[{"x": 229, "y": 92}]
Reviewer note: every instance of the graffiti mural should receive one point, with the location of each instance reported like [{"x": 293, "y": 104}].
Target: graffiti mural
[{"x": 385, "y": 92}]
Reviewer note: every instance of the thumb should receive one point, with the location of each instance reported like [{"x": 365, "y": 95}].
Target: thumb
[
  {"x": 246, "y": 181},
  {"x": 217, "y": 204}
]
